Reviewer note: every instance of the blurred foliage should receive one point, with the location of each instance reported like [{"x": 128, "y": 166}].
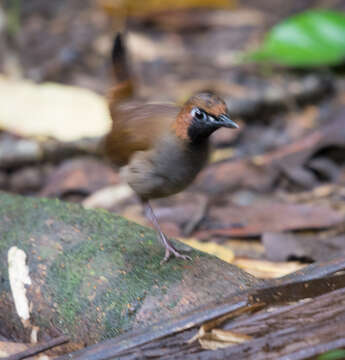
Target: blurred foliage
[
  {"x": 13, "y": 8},
  {"x": 313, "y": 38},
  {"x": 333, "y": 355},
  {"x": 143, "y": 8}
]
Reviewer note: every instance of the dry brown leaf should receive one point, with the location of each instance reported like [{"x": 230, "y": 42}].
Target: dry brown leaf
[
  {"x": 268, "y": 216},
  {"x": 299, "y": 122},
  {"x": 206, "y": 331},
  {"x": 319, "y": 192},
  {"x": 85, "y": 175},
  {"x": 305, "y": 247}
]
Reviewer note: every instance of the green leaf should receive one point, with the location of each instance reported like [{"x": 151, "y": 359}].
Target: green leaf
[
  {"x": 332, "y": 355},
  {"x": 312, "y": 38}
]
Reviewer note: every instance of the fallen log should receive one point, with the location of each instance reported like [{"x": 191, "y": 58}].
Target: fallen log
[
  {"x": 92, "y": 275},
  {"x": 265, "y": 314}
]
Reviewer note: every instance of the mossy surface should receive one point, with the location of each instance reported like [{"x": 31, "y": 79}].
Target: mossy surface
[{"x": 99, "y": 275}]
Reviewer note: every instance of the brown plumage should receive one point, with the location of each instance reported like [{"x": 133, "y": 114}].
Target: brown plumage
[{"x": 160, "y": 147}]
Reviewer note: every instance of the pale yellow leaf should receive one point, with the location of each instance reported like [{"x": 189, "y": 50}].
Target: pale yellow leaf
[
  {"x": 221, "y": 154},
  {"x": 218, "y": 339},
  {"x": 213, "y": 344},
  {"x": 108, "y": 197},
  {"x": 211, "y": 248},
  {"x": 142, "y": 8},
  {"x": 64, "y": 112},
  {"x": 267, "y": 269},
  {"x": 210, "y": 337},
  {"x": 229, "y": 336},
  {"x": 3, "y": 354},
  {"x": 8, "y": 348}
]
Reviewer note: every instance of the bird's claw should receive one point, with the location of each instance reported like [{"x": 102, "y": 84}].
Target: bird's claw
[{"x": 172, "y": 251}]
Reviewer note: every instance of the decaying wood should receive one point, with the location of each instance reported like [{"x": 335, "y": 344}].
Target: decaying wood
[
  {"x": 94, "y": 275},
  {"x": 296, "y": 331},
  {"x": 317, "y": 270},
  {"x": 172, "y": 340}
]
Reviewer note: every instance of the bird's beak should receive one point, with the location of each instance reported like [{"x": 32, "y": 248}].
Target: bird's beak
[{"x": 224, "y": 120}]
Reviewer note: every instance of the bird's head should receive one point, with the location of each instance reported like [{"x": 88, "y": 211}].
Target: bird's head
[{"x": 200, "y": 116}]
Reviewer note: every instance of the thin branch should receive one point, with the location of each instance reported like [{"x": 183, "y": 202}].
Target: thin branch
[{"x": 37, "y": 349}]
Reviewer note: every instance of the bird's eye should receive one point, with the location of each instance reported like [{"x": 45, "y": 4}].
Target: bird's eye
[{"x": 198, "y": 114}]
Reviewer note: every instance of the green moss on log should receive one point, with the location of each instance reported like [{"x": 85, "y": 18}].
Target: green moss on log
[{"x": 99, "y": 274}]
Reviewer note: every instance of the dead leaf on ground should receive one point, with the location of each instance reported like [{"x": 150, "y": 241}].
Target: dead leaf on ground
[
  {"x": 264, "y": 269},
  {"x": 319, "y": 192},
  {"x": 303, "y": 247},
  {"x": 212, "y": 338},
  {"x": 258, "y": 218},
  {"x": 27, "y": 179},
  {"x": 230, "y": 336},
  {"x": 298, "y": 123},
  {"x": 108, "y": 197},
  {"x": 219, "y": 339},
  {"x": 260, "y": 268},
  {"x": 63, "y": 112},
  {"x": 221, "y": 154},
  {"x": 212, "y": 248},
  {"x": 82, "y": 175},
  {"x": 149, "y": 7},
  {"x": 248, "y": 248}
]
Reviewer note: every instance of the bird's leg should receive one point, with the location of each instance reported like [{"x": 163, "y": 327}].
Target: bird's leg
[{"x": 169, "y": 248}]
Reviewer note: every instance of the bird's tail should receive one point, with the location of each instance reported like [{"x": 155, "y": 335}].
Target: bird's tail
[{"x": 123, "y": 88}]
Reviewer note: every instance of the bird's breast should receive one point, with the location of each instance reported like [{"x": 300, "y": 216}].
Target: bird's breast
[{"x": 165, "y": 170}]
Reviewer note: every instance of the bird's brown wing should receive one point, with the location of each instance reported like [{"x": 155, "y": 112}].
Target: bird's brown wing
[{"x": 136, "y": 127}]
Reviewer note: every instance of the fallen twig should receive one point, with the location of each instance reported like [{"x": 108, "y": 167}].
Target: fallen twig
[{"x": 37, "y": 349}]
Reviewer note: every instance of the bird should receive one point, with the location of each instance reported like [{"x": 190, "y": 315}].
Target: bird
[{"x": 159, "y": 147}]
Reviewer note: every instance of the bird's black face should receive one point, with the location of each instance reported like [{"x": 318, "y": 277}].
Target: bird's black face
[
  {"x": 204, "y": 124},
  {"x": 203, "y": 118}
]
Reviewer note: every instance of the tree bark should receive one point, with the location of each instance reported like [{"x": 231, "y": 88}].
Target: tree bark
[{"x": 95, "y": 275}]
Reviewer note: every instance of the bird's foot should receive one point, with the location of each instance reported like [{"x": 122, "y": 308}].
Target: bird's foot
[{"x": 170, "y": 250}]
